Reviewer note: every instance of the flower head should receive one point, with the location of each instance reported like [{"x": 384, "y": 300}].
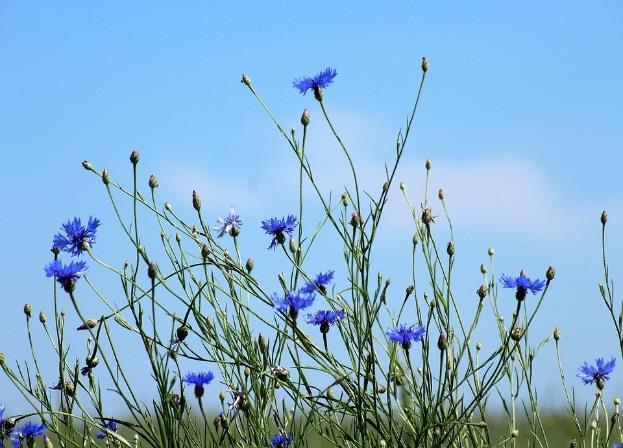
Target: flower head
[
  {"x": 320, "y": 81},
  {"x": 26, "y": 432},
  {"x": 405, "y": 335},
  {"x": 74, "y": 234},
  {"x": 231, "y": 224},
  {"x": 598, "y": 373},
  {"x": 199, "y": 379},
  {"x": 109, "y": 427},
  {"x": 523, "y": 284},
  {"x": 278, "y": 228},
  {"x": 293, "y": 302},
  {"x": 319, "y": 283},
  {"x": 66, "y": 275},
  {"x": 281, "y": 440},
  {"x": 325, "y": 319}
]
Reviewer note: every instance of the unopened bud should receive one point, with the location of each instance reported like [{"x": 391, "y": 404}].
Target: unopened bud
[
  {"x": 168, "y": 206},
  {"x": 491, "y": 252},
  {"x": 28, "y": 310},
  {"x": 415, "y": 239},
  {"x": 134, "y": 157},
  {"x": 345, "y": 199},
  {"x": 196, "y": 201},
  {"x": 42, "y": 317},
  {"x": 424, "y": 64},
  {"x": 478, "y": 345},
  {"x": 153, "y": 182},
  {"x": 550, "y": 274},
  {"x": 88, "y": 324},
  {"x": 483, "y": 269},
  {"x": 221, "y": 396},
  {"x": 247, "y": 372},
  {"x": 410, "y": 290},
  {"x": 516, "y": 333},
  {"x": 557, "y": 334},
  {"x": 442, "y": 342},
  {"x": 604, "y": 217},
  {"x": 305, "y": 118},
  {"x": 403, "y": 186},
  {"x": 246, "y": 80},
  {"x": 514, "y": 433},
  {"x": 355, "y": 220},
  {"x": 429, "y": 163},
  {"x": 87, "y": 165},
  {"x": 181, "y": 332},
  {"x": 250, "y": 265},
  {"x": 482, "y": 291},
  {"x": 92, "y": 361},
  {"x": 450, "y": 249},
  {"x": 152, "y": 270},
  {"x": 205, "y": 251},
  {"x": 293, "y": 246},
  {"x": 281, "y": 373},
  {"x": 440, "y": 194},
  {"x": 105, "y": 177},
  {"x": 385, "y": 187}
]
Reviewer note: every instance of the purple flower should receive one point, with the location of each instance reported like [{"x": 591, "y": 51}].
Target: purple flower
[
  {"x": 281, "y": 440},
  {"x": 598, "y": 373},
  {"x": 523, "y": 284},
  {"x": 320, "y": 81},
  {"x": 325, "y": 319},
  {"x": 293, "y": 302},
  {"x": 405, "y": 335},
  {"x": 66, "y": 275},
  {"x": 319, "y": 283},
  {"x": 27, "y": 432},
  {"x": 278, "y": 228},
  {"x": 74, "y": 234},
  {"x": 231, "y": 224},
  {"x": 109, "y": 427},
  {"x": 199, "y": 379}
]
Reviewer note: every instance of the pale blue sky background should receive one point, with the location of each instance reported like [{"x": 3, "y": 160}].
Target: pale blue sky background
[{"x": 521, "y": 114}]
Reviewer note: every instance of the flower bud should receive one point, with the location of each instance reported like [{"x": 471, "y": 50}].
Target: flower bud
[
  {"x": 428, "y": 165},
  {"x": 442, "y": 342},
  {"x": 28, "y": 310},
  {"x": 424, "y": 64},
  {"x": 483, "y": 269},
  {"x": 153, "y": 182},
  {"x": 482, "y": 291},
  {"x": 221, "y": 396},
  {"x": 478, "y": 345},
  {"x": 415, "y": 239},
  {"x": 604, "y": 217},
  {"x": 345, "y": 199},
  {"x": 47, "y": 443},
  {"x": 105, "y": 177},
  {"x": 441, "y": 194},
  {"x": 305, "y": 118},
  {"x": 450, "y": 249},
  {"x": 262, "y": 343},
  {"x": 196, "y": 201},
  {"x": 516, "y": 333},
  {"x": 557, "y": 334},
  {"x": 247, "y": 372},
  {"x": 246, "y": 80},
  {"x": 550, "y": 274},
  {"x": 293, "y": 246},
  {"x": 250, "y": 265},
  {"x": 491, "y": 252},
  {"x": 515, "y": 433},
  {"x": 385, "y": 187},
  {"x": 134, "y": 157},
  {"x": 403, "y": 186},
  {"x": 87, "y": 165},
  {"x": 88, "y": 324},
  {"x": 281, "y": 373},
  {"x": 355, "y": 220},
  {"x": 42, "y": 317},
  {"x": 181, "y": 332},
  {"x": 92, "y": 361},
  {"x": 152, "y": 270},
  {"x": 409, "y": 290}
]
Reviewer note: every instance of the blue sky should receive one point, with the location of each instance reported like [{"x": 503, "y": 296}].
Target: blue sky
[{"x": 521, "y": 115}]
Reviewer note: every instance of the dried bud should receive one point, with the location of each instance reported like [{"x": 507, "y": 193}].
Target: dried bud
[
  {"x": 152, "y": 270},
  {"x": 305, "y": 118},
  {"x": 441, "y": 194},
  {"x": 410, "y": 290},
  {"x": 42, "y": 317},
  {"x": 604, "y": 217},
  {"x": 427, "y": 216},
  {"x": 87, "y": 165},
  {"x": 92, "y": 361},
  {"x": 134, "y": 157},
  {"x": 450, "y": 249},
  {"x": 428, "y": 165},
  {"x": 196, "y": 201},
  {"x": 483, "y": 269},
  {"x": 28, "y": 310},
  {"x": 550, "y": 274},
  {"x": 345, "y": 199},
  {"x": 424, "y": 64},
  {"x": 181, "y": 332},
  {"x": 153, "y": 182},
  {"x": 482, "y": 291},
  {"x": 88, "y": 324},
  {"x": 442, "y": 342},
  {"x": 246, "y": 80},
  {"x": 281, "y": 373},
  {"x": 250, "y": 265},
  {"x": 105, "y": 177},
  {"x": 516, "y": 333},
  {"x": 557, "y": 334}
]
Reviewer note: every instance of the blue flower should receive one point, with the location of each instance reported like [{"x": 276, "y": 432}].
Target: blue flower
[
  {"x": 325, "y": 319},
  {"x": 617, "y": 445},
  {"x": 231, "y": 224},
  {"x": 66, "y": 275},
  {"x": 320, "y": 81},
  {"x": 523, "y": 284},
  {"x": 281, "y": 440},
  {"x": 319, "y": 283},
  {"x": 278, "y": 228},
  {"x": 28, "y": 432},
  {"x": 199, "y": 379},
  {"x": 293, "y": 302},
  {"x": 598, "y": 373},
  {"x": 405, "y": 335},
  {"x": 109, "y": 427},
  {"x": 75, "y": 234}
]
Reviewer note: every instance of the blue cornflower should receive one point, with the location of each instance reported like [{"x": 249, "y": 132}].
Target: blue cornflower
[
  {"x": 325, "y": 319},
  {"x": 231, "y": 224},
  {"x": 617, "y": 445},
  {"x": 109, "y": 427},
  {"x": 293, "y": 302},
  {"x": 66, "y": 275},
  {"x": 278, "y": 228},
  {"x": 316, "y": 83},
  {"x": 319, "y": 283},
  {"x": 281, "y": 440},
  {"x": 598, "y": 373},
  {"x": 27, "y": 432},
  {"x": 405, "y": 335},
  {"x": 523, "y": 285},
  {"x": 75, "y": 234},
  {"x": 199, "y": 379}
]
